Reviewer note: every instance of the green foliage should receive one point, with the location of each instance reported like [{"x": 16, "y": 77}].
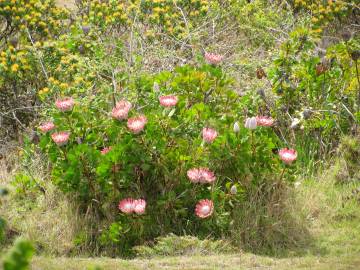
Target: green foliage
[
  {"x": 23, "y": 183},
  {"x": 3, "y": 192},
  {"x": 19, "y": 256},
  {"x": 317, "y": 88},
  {"x": 350, "y": 151},
  {"x": 260, "y": 20},
  {"x": 153, "y": 164}
]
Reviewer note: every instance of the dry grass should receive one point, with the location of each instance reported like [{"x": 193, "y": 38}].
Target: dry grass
[{"x": 48, "y": 220}]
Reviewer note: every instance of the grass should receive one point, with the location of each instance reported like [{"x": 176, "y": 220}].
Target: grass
[{"x": 225, "y": 262}]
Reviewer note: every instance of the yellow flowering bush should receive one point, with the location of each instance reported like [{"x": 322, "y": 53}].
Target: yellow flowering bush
[
  {"x": 324, "y": 11},
  {"x": 172, "y": 17},
  {"x": 103, "y": 13},
  {"x": 176, "y": 17},
  {"x": 40, "y": 16},
  {"x": 26, "y": 25}
]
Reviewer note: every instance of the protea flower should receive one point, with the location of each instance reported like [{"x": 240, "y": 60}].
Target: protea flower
[
  {"x": 168, "y": 101},
  {"x": 127, "y": 205},
  {"x": 209, "y": 134},
  {"x": 236, "y": 127},
  {"x": 139, "y": 206},
  {"x": 207, "y": 176},
  {"x": 121, "y": 110},
  {"x": 213, "y": 59},
  {"x": 251, "y": 123},
  {"x": 201, "y": 175},
  {"x": 264, "y": 121},
  {"x": 194, "y": 175},
  {"x": 61, "y": 138},
  {"x": 47, "y": 126},
  {"x": 65, "y": 104},
  {"x": 105, "y": 150},
  {"x": 287, "y": 155},
  {"x": 137, "y": 124},
  {"x": 204, "y": 208}
]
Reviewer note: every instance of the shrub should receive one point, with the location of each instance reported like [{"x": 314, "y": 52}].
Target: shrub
[
  {"x": 161, "y": 153},
  {"x": 173, "y": 18},
  {"x": 26, "y": 25},
  {"x": 19, "y": 256},
  {"x": 316, "y": 90}
]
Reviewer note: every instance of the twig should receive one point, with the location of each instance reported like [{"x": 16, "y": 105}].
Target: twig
[
  {"x": 17, "y": 120},
  {"x": 39, "y": 58},
  {"x": 113, "y": 79}
]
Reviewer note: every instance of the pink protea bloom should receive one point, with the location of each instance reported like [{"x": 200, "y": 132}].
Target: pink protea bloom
[
  {"x": 61, "y": 138},
  {"x": 287, "y": 155},
  {"x": 207, "y": 176},
  {"x": 194, "y": 175},
  {"x": 65, "y": 104},
  {"x": 204, "y": 208},
  {"x": 139, "y": 206},
  {"x": 213, "y": 59},
  {"x": 168, "y": 101},
  {"x": 121, "y": 110},
  {"x": 127, "y": 205},
  {"x": 47, "y": 126},
  {"x": 264, "y": 121},
  {"x": 105, "y": 150},
  {"x": 209, "y": 134},
  {"x": 137, "y": 124},
  {"x": 201, "y": 175}
]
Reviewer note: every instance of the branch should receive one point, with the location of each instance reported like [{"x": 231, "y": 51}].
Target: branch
[{"x": 39, "y": 58}]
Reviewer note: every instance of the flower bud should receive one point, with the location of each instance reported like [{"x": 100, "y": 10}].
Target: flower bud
[
  {"x": 355, "y": 55},
  {"x": 233, "y": 190},
  {"x": 346, "y": 35},
  {"x": 86, "y": 29},
  {"x": 260, "y": 73},
  {"x": 306, "y": 114},
  {"x": 236, "y": 127},
  {"x": 251, "y": 123}
]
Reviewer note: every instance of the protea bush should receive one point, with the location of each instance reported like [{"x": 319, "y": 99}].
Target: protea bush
[{"x": 158, "y": 162}]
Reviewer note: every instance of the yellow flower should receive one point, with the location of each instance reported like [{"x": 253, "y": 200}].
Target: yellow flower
[
  {"x": 64, "y": 85},
  {"x": 14, "y": 67}
]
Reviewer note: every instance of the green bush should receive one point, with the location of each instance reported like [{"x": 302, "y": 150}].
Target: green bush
[
  {"x": 153, "y": 164},
  {"x": 19, "y": 256},
  {"x": 316, "y": 91}
]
